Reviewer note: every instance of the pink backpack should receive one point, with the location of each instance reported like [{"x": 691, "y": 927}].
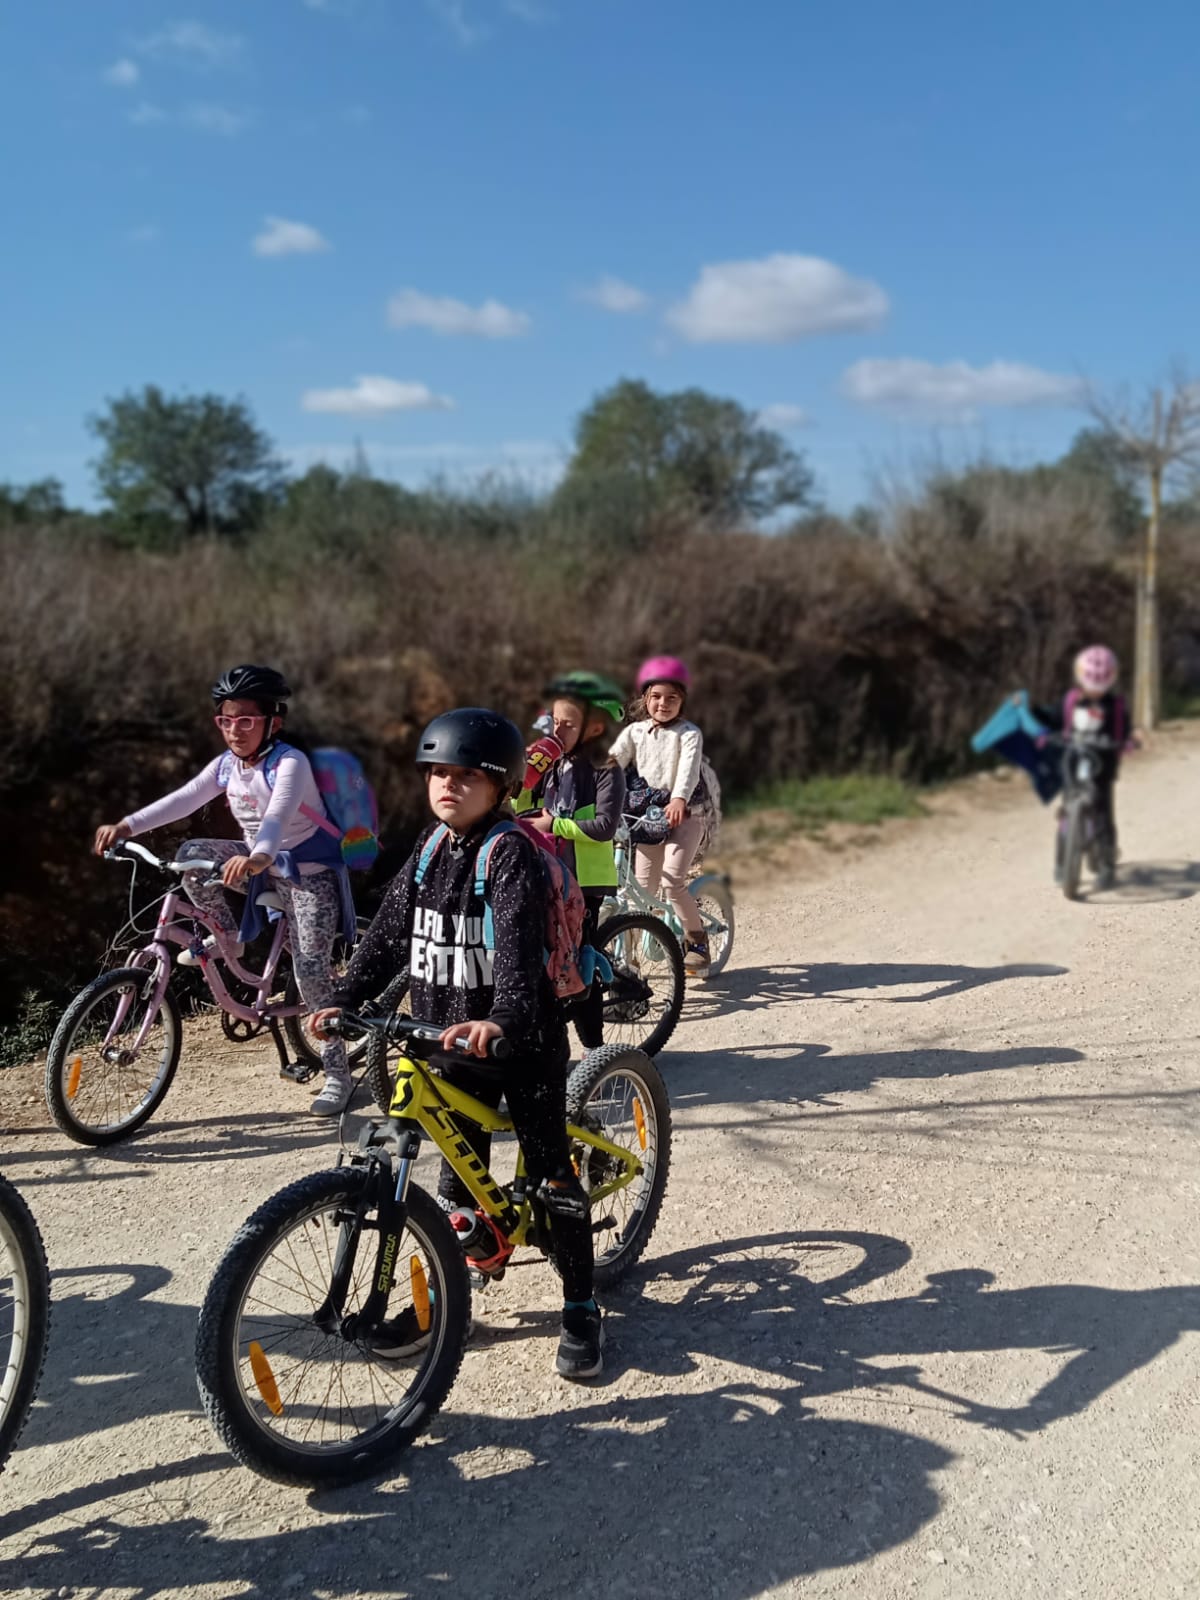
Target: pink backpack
[{"x": 571, "y": 965}]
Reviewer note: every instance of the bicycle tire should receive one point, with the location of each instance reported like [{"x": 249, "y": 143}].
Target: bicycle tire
[
  {"x": 585, "y": 1080},
  {"x": 21, "y": 1365},
  {"x": 380, "y": 1077},
  {"x": 610, "y": 932},
  {"x": 715, "y": 899},
  {"x": 59, "y": 1095},
  {"x": 1073, "y": 849},
  {"x": 226, "y": 1402},
  {"x": 307, "y": 1049}
]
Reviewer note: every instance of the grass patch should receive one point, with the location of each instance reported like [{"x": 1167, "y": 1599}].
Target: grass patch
[
  {"x": 30, "y": 1031},
  {"x": 1178, "y": 704},
  {"x": 811, "y": 804}
]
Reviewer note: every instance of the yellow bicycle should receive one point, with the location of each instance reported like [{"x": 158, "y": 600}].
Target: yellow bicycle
[{"x": 286, "y": 1366}]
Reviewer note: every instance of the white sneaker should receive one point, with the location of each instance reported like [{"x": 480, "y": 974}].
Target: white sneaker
[
  {"x": 208, "y": 949},
  {"x": 334, "y": 1097}
]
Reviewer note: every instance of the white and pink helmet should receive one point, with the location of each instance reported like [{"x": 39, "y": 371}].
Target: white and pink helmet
[{"x": 1096, "y": 669}]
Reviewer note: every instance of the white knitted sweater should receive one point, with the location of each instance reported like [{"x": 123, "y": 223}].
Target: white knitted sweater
[{"x": 666, "y": 757}]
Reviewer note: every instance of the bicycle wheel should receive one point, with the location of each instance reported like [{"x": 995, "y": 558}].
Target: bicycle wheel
[
  {"x": 111, "y": 1061},
  {"x": 619, "y": 1094},
  {"x": 304, "y": 1403},
  {"x": 1072, "y": 859},
  {"x": 300, "y": 1036},
  {"x": 382, "y": 1057},
  {"x": 24, "y": 1314},
  {"x": 715, "y": 899},
  {"x": 643, "y": 1002}
]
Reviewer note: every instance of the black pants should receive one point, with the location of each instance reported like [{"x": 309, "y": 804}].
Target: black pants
[
  {"x": 1106, "y": 822},
  {"x": 537, "y": 1103},
  {"x": 587, "y": 1012}
]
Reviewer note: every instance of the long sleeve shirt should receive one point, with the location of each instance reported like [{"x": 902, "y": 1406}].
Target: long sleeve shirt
[
  {"x": 268, "y": 815},
  {"x": 667, "y": 757},
  {"x": 435, "y": 929}
]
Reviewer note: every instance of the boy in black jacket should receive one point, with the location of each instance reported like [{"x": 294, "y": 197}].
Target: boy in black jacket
[{"x": 472, "y": 760}]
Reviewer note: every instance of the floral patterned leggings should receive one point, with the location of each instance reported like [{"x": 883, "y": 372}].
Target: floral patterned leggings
[{"x": 312, "y": 909}]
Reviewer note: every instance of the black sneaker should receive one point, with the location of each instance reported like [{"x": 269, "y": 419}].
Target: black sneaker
[
  {"x": 400, "y": 1336},
  {"x": 580, "y": 1344}
]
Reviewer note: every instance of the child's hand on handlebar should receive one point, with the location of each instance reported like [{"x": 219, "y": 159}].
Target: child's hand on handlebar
[
  {"x": 319, "y": 1018},
  {"x": 478, "y": 1036},
  {"x": 110, "y": 834},
  {"x": 238, "y": 868}
]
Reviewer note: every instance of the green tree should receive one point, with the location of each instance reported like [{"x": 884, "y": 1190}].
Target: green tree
[
  {"x": 38, "y": 503},
  {"x": 193, "y": 465},
  {"x": 689, "y": 450}
]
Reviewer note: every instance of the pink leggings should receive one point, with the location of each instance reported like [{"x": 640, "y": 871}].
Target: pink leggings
[{"x": 669, "y": 864}]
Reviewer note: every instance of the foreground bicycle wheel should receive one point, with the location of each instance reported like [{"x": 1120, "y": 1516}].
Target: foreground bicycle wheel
[
  {"x": 643, "y": 1002},
  {"x": 303, "y": 1403},
  {"x": 24, "y": 1314},
  {"x": 112, "y": 1057},
  {"x": 619, "y": 1094},
  {"x": 715, "y": 899}
]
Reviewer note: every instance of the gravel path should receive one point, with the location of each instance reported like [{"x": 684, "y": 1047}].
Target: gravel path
[{"x": 919, "y": 1316}]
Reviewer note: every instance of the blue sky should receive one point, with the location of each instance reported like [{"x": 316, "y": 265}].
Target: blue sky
[{"x": 902, "y": 228}]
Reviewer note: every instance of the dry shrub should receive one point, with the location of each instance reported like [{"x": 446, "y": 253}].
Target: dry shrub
[{"x": 814, "y": 653}]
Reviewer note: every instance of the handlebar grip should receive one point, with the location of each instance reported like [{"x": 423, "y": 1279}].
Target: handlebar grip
[{"x": 499, "y": 1049}]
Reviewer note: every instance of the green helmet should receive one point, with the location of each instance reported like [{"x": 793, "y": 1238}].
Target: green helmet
[{"x": 593, "y": 688}]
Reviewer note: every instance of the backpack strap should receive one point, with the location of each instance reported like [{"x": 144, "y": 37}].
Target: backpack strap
[
  {"x": 432, "y": 845},
  {"x": 483, "y": 861}
]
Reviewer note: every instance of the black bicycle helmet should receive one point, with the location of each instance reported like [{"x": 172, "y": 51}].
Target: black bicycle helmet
[
  {"x": 474, "y": 737},
  {"x": 263, "y": 685},
  {"x": 593, "y": 689}
]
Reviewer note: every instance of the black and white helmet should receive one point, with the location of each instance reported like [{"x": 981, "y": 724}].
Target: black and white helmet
[
  {"x": 474, "y": 737},
  {"x": 263, "y": 685}
]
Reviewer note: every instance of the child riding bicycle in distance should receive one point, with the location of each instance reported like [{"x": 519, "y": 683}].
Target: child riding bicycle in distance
[
  {"x": 432, "y": 923},
  {"x": 1093, "y": 705},
  {"x": 666, "y": 750},
  {"x": 279, "y": 838},
  {"x": 579, "y": 800}
]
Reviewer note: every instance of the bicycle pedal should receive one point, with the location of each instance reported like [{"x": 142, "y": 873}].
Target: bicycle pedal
[{"x": 299, "y": 1071}]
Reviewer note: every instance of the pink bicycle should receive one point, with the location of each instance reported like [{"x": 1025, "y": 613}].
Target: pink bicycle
[{"x": 115, "y": 1051}]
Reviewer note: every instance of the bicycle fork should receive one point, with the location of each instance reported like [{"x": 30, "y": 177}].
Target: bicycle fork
[{"x": 387, "y": 1198}]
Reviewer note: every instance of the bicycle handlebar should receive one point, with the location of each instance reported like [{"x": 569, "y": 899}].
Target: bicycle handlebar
[
  {"x": 129, "y": 849},
  {"x": 399, "y": 1029},
  {"x": 1094, "y": 741}
]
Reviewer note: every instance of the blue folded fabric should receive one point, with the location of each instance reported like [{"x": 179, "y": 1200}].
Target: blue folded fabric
[{"x": 1014, "y": 734}]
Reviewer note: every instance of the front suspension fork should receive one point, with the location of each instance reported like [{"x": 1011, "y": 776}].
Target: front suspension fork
[{"x": 386, "y": 1196}]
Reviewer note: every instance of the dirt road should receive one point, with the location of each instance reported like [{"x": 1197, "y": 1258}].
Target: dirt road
[{"x": 920, "y": 1317}]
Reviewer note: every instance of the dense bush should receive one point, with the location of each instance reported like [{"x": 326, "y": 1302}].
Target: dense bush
[{"x": 819, "y": 651}]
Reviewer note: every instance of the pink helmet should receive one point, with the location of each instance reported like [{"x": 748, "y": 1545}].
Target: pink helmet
[
  {"x": 663, "y": 669},
  {"x": 1096, "y": 669}
]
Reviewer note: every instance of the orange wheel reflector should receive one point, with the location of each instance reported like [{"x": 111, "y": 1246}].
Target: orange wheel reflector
[
  {"x": 639, "y": 1117},
  {"x": 265, "y": 1379},
  {"x": 420, "y": 1293},
  {"x": 73, "y": 1077}
]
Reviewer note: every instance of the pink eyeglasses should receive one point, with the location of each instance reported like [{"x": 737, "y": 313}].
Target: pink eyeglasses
[{"x": 237, "y": 724}]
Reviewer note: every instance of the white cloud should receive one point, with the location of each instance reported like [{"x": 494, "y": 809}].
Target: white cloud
[
  {"x": 193, "y": 44},
  {"x": 454, "y": 14},
  {"x": 143, "y": 114},
  {"x": 122, "y": 74},
  {"x": 283, "y": 238},
  {"x": 372, "y": 397},
  {"x": 955, "y": 390},
  {"x": 783, "y": 417},
  {"x": 206, "y": 117},
  {"x": 613, "y": 294},
  {"x": 412, "y": 309},
  {"x": 775, "y": 300}
]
